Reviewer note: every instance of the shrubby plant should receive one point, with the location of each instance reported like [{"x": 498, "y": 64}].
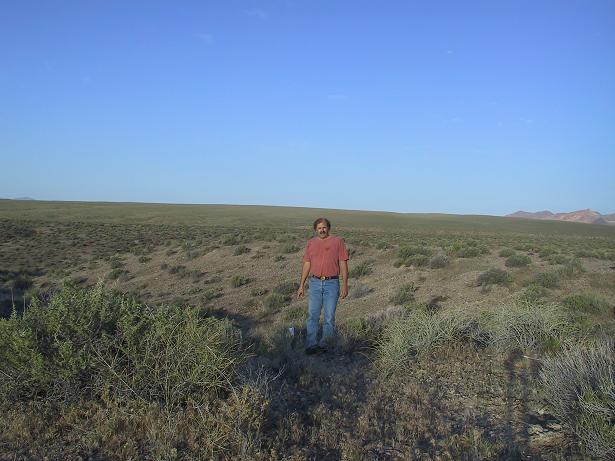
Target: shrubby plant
[
  {"x": 275, "y": 301},
  {"x": 583, "y": 302},
  {"x": 99, "y": 370},
  {"x": 517, "y": 326},
  {"x": 547, "y": 279},
  {"x": 404, "y": 294},
  {"x": 545, "y": 252},
  {"x": 288, "y": 248},
  {"x": 506, "y": 252},
  {"x": 259, "y": 291},
  {"x": 241, "y": 249},
  {"x": 579, "y": 384},
  {"x": 439, "y": 261},
  {"x": 526, "y": 325},
  {"x": 571, "y": 269},
  {"x": 86, "y": 342},
  {"x": 468, "y": 252},
  {"x": 361, "y": 270},
  {"x": 417, "y": 332},
  {"x": 288, "y": 288},
  {"x": 533, "y": 293},
  {"x": 238, "y": 281},
  {"x": 413, "y": 256},
  {"x": 493, "y": 276},
  {"x": 517, "y": 260},
  {"x": 558, "y": 259},
  {"x": 406, "y": 251}
]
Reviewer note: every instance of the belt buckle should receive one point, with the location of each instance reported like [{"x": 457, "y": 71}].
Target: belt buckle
[{"x": 322, "y": 277}]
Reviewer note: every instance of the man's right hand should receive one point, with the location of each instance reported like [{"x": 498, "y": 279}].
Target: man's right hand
[{"x": 300, "y": 292}]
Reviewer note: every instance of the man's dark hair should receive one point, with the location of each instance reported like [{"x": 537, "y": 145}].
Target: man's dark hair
[{"x": 325, "y": 220}]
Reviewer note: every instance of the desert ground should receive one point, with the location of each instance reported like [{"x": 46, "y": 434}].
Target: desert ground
[{"x": 145, "y": 331}]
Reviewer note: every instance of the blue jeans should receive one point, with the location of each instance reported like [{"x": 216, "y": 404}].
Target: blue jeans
[{"x": 322, "y": 293}]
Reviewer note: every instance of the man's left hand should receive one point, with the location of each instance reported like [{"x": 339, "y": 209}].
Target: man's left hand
[{"x": 343, "y": 291}]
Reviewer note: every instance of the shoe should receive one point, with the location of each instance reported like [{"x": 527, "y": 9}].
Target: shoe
[{"x": 312, "y": 350}]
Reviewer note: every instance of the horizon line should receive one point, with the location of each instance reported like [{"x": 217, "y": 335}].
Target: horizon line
[{"x": 30, "y": 199}]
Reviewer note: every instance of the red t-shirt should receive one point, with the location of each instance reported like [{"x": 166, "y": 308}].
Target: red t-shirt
[{"x": 325, "y": 255}]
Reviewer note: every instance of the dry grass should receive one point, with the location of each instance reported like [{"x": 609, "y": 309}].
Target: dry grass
[{"x": 580, "y": 387}]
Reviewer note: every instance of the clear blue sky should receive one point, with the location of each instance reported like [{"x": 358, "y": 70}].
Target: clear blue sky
[{"x": 455, "y": 107}]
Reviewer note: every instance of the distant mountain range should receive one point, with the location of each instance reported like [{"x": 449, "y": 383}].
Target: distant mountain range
[{"x": 585, "y": 216}]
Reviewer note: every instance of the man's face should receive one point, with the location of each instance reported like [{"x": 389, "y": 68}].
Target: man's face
[{"x": 322, "y": 230}]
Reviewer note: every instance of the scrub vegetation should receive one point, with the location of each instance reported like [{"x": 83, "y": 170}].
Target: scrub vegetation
[{"x": 174, "y": 332}]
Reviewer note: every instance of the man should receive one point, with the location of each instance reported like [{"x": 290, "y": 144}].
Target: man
[{"x": 324, "y": 258}]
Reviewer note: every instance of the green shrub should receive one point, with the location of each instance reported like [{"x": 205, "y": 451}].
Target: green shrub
[
  {"x": 274, "y": 302},
  {"x": 533, "y": 293},
  {"x": 504, "y": 328},
  {"x": 238, "y": 281},
  {"x": 144, "y": 259},
  {"x": 547, "y": 279},
  {"x": 526, "y": 325},
  {"x": 571, "y": 269},
  {"x": 294, "y": 313},
  {"x": 361, "y": 270},
  {"x": 417, "y": 260},
  {"x": 585, "y": 303},
  {"x": 579, "y": 385},
  {"x": 290, "y": 248},
  {"x": 506, "y": 252},
  {"x": 517, "y": 260},
  {"x": 383, "y": 245},
  {"x": 558, "y": 259},
  {"x": 179, "y": 270},
  {"x": 493, "y": 276},
  {"x": 164, "y": 381},
  {"x": 279, "y": 258},
  {"x": 439, "y": 261},
  {"x": 241, "y": 249},
  {"x": 356, "y": 334},
  {"x": 417, "y": 332},
  {"x": 285, "y": 238},
  {"x": 583, "y": 253},
  {"x": 116, "y": 262},
  {"x": 359, "y": 325},
  {"x": 231, "y": 240},
  {"x": 89, "y": 342},
  {"x": 468, "y": 252},
  {"x": 195, "y": 275},
  {"x": 406, "y": 251},
  {"x": 404, "y": 294},
  {"x": 288, "y": 288},
  {"x": 545, "y": 252},
  {"x": 115, "y": 274}
]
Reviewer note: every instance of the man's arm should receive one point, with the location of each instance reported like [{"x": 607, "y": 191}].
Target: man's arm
[
  {"x": 344, "y": 272},
  {"x": 304, "y": 275}
]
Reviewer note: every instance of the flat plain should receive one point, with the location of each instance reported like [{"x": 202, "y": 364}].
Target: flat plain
[{"x": 463, "y": 337}]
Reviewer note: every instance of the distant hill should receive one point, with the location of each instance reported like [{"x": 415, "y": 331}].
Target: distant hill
[{"x": 583, "y": 216}]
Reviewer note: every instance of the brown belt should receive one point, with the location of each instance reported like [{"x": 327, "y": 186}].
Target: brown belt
[{"x": 322, "y": 277}]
